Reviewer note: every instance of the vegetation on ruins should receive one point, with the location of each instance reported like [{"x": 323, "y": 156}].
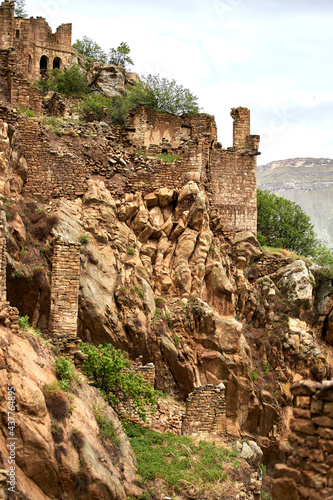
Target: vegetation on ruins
[
  {"x": 70, "y": 82},
  {"x": 161, "y": 94},
  {"x": 114, "y": 107},
  {"x": 109, "y": 372},
  {"x": 120, "y": 55},
  {"x": 90, "y": 49},
  {"x": 20, "y": 8}
]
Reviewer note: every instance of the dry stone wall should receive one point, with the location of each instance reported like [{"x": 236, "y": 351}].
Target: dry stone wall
[
  {"x": 3, "y": 293},
  {"x": 308, "y": 471},
  {"x": 65, "y": 288},
  {"x": 205, "y": 412},
  {"x": 37, "y": 49}
]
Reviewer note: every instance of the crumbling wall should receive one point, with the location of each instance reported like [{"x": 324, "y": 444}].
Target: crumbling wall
[
  {"x": 233, "y": 176},
  {"x": 308, "y": 471},
  {"x": 145, "y": 127},
  {"x": 65, "y": 288},
  {"x": 37, "y": 49},
  {"x": 205, "y": 412}
]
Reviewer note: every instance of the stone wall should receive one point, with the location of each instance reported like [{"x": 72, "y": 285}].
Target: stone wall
[
  {"x": 65, "y": 288},
  {"x": 37, "y": 49},
  {"x": 3, "y": 292},
  {"x": 145, "y": 127},
  {"x": 205, "y": 412},
  {"x": 308, "y": 471}
]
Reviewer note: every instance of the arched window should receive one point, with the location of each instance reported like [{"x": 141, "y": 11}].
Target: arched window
[
  {"x": 43, "y": 65},
  {"x": 56, "y": 63}
]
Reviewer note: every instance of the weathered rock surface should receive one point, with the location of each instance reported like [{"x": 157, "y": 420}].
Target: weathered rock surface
[{"x": 48, "y": 463}]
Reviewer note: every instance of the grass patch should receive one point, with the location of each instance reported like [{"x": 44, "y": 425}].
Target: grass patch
[
  {"x": 179, "y": 460},
  {"x": 105, "y": 424},
  {"x": 167, "y": 158}
]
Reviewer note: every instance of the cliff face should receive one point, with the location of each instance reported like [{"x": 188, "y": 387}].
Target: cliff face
[
  {"x": 56, "y": 444},
  {"x": 161, "y": 278},
  {"x": 309, "y": 183}
]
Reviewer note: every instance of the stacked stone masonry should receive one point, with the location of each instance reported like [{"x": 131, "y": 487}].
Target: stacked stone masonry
[
  {"x": 308, "y": 471},
  {"x": 3, "y": 296},
  {"x": 65, "y": 288},
  {"x": 229, "y": 175},
  {"x": 37, "y": 50},
  {"x": 205, "y": 412}
]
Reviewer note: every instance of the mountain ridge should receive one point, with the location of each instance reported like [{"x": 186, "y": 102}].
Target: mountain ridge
[{"x": 307, "y": 182}]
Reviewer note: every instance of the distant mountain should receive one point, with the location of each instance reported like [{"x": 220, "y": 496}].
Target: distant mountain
[{"x": 308, "y": 182}]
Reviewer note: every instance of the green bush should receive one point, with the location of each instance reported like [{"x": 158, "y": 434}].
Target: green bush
[
  {"x": 70, "y": 82},
  {"x": 23, "y": 322},
  {"x": 162, "y": 94},
  {"x": 106, "y": 367},
  {"x": 65, "y": 372},
  {"x": 84, "y": 238},
  {"x": 96, "y": 104}
]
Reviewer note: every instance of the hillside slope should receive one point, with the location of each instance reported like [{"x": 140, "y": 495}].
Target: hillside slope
[{"x": 309, "y": 183}]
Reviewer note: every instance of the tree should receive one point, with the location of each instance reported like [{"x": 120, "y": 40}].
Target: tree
[
  {"x": 282, "y": 223},
  {"x": 120, "y": 55},
  {"x": 108, "y": 370},
  {"x": 20, "y": 8},
  {"x": 90, "y": 49},
  {"x": 162, "y": 94}
]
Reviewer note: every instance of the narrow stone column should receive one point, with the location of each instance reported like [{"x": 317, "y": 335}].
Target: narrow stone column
[
  {"x": 3, "y": 289},
  {"x": 241, "y": 127},
  {"x": 65, "y": 288},
  {"x": 205, "y": 412}
]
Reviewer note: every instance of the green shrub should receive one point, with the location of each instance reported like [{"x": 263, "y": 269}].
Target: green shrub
[
  {"x": 254, "y": 375},
  {"x": 65, "y": 372},
  {"x": 84, "y": 238},
  {"x": 106, "y": 367},
  {"x": 70, "y": 82},
  {"x": 176, "y": 339},
  {"x": 130, "y": 251},
  {"x": 23, "y": 322},
  {"x": 115, "y": 107}
]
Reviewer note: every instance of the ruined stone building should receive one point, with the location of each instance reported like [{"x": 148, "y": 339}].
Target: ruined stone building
[{"x": 35, "y": 49}]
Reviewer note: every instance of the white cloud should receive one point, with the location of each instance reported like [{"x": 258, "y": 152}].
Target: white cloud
[{"x": 271, "y": 56}]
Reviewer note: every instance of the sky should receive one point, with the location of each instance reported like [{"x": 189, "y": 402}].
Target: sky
[{"x": 271, "y": 56}]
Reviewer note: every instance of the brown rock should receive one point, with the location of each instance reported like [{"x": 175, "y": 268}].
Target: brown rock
[
  {"x": 303, "y": 426},
  {"x": 284, "y": 488}
]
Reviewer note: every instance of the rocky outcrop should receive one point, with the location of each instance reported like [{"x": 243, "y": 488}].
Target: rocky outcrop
[{"x": 59, "y": 449}]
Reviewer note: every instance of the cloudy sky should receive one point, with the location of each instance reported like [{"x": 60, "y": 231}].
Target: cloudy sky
[{"x": 272, "y": 56}]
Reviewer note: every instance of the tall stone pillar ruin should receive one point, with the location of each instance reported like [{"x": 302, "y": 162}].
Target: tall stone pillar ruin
[
  {"x": 65, "y": 289},
  {"x": 3, "y": 291}
]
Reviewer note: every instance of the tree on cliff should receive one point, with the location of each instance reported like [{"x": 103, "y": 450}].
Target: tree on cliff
[
  {"x": 90, "y": 49},
  {"x": 20, "y": 8},
  {"x": 282, "y": 223},
  {"x": 161, "y": 94},
  {"x": 120, "y": 55}
]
